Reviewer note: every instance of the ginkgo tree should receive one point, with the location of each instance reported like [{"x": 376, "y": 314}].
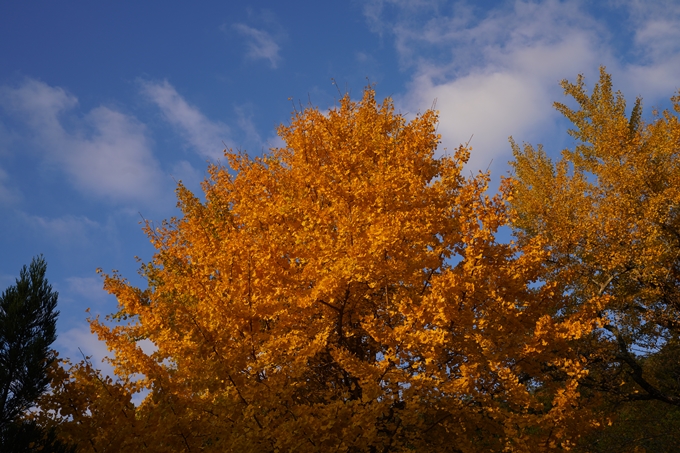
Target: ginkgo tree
[
  {"x": 344, "y": 292},
  {"x": 608, "y": 212}
]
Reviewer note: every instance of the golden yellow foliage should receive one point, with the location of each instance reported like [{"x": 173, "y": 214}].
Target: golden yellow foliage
[
  {"x": 342, "y": 293},
  {"x": 608, "y": 213}
]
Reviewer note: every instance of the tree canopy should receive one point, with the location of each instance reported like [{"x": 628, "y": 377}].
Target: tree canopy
[
  {"x": 344, "y": 292},
  {"x": 609, "y": 214},
  {"x": 347, "y": 292}
]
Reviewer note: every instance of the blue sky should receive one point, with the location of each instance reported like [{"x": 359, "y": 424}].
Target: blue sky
[{"x": 104, "y": 105}]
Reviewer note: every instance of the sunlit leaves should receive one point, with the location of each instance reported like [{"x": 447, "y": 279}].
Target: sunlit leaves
[{"x": 344, "y": 292}]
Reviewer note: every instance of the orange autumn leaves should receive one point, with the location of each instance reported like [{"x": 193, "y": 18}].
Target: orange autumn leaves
[{"x": 345, "y": 292}]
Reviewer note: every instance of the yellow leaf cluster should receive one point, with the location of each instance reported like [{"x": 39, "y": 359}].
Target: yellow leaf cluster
[{"x": 344, "y": 292}]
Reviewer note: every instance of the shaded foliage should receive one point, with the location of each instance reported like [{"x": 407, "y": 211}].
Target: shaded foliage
[
  {"x": 27, "y": 329},
  {"x": 609, "y": 215}
]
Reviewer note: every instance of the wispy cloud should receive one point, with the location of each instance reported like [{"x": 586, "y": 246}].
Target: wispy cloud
[
  {"x": 502, "y": 73},
  {"x": 79, "y": 341},
  {"x": 206, "y": 137},
  {"x": 495, "y": 73},
  {"x": 261, "y": 45},
  {"x": 655, "y": 27},
  {"x": 189, "y": 176},
  {"x": 89, "y": 289},
  {"x": 246, "y": 124},
  {"x": 108, "y": 155},
  {"x": 64, "y": 230},
  {"x": 653, "y": 71},
  {"x": 8, "y": 194}
]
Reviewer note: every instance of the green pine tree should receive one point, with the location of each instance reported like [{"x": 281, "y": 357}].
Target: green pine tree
[{"x": 28, "y": 319}]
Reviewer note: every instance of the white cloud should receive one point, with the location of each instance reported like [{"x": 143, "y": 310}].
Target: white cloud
[
  {"x": 660, "y": 36},
  {"x": 40, "y": 105},
  {"x": 190, "y": 177},
  {"x": 495, "y": 73},
  {"x": 485, "y": 107},
  {"x": 261, "y": 45},
  {"x": 205, "y": 136},
  {"x": 655, "y": 27},
  {"x": 653, "y": 73},
  {"x": 246, "y": 124},
  {"x": 274, "y": 141},
  {"x": 8, "y": 194},
  {"x": 108, "y": 154},
  {"x": 501, "y": 75},
  {"x": 89, "y": 289},
  {"x": 148, "y": 346},
  {"x": 63, "y": 230},
  {"x": 79, "y": 341}
]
